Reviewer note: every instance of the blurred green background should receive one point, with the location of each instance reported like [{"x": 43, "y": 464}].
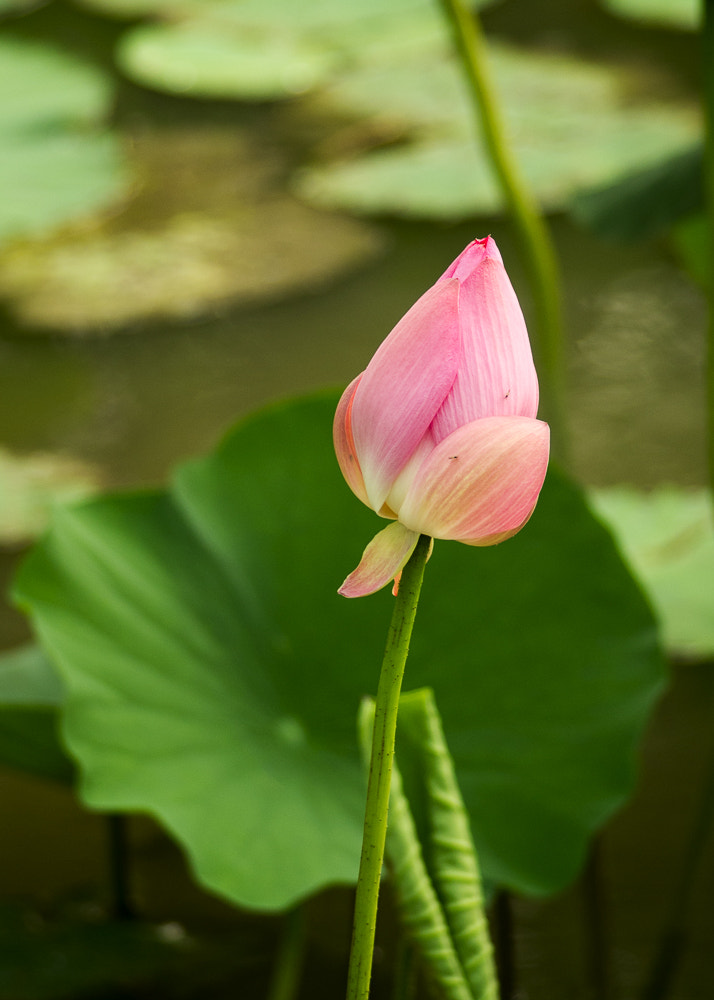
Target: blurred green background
[{"x": 209, "y": 205}]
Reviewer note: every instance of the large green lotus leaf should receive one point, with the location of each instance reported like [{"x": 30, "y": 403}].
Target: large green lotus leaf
[
  {"x": 668, "y": 539},
  {"x": 57, "y": 159},
  {"x": 213, "y": 674},
  {"x": 30, "y": 695},
  {"x": 671, "y": 13},
  {"x": 569, "y": 124}
]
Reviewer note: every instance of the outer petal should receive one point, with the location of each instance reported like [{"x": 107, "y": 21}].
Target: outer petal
[
  {"x": 404, "y": 385},
  {"x": 480, "y": 484},
  {"x": 385, "y": 557},
  {"x": 344, "y": 443},
  {"x": 496, "y": 375}
]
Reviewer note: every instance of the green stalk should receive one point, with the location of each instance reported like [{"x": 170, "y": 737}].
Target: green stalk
[
  {"x": 380, "y": 772},
  {"x": 285, "y": 983},
  {"x": 708, "y": 82},
  {"x": 673, "y": 940},
  {"x": 539, "y": 251}
]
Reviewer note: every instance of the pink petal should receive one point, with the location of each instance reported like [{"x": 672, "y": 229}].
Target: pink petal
[
  {"x": 480, "y": 484},
  {"x": 344, "y": 442},
  {"x": 404, "y": 385},
  {"x": 382, "y": 560},
  {"x": 496, "y": 374}
]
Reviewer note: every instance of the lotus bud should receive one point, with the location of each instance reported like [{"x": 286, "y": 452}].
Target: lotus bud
[{"x": 439, "y": 433}]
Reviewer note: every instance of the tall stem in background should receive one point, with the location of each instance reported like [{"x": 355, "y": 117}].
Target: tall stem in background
[
  {"x": 670, "y": 948},
  {"x": 539, "y": 251},
  {"x": 380, "y": 772},
  {"x": 708, "y": 84}
]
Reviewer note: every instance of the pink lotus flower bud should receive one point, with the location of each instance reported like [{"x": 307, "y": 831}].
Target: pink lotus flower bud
[{"x": 439, "y": 432}]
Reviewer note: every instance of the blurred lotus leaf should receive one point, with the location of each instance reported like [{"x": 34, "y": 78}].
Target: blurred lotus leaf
[
  {"x": 12, "y": 6},
  {"x": 571, "y": 123},
  {"x": 668, "y": 538},
  {"x": 29, "y": 487},
  {"x": 668, "y": 13},
  {"x": 131, "y": 9},
  {"x": 213, "y": 674},
  {"x": 648, "y": 202},
  {"x": 261, "y": 49},
  {"x": 58, "y": 159},
  {"x": 205, "y": 229},
  {"x": 98, "y": 282}
]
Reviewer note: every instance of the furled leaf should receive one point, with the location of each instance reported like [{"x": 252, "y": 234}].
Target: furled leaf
[
  {"x": 436, "y": 876},
  {"x": 420, "y": 909},
  {"x": 451, "y": 853},
  {"x": 213, "y": 673}
]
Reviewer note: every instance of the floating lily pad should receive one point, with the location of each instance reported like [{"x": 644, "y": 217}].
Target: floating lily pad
[
  {"x": 31, "y": 484},
  {"x": 264, "y": 49},
  {"x": 669, "y": 13},
  {"x": 213, "y": 674},
  {"x": 569, "y": 123},
  {"x": 668, "y": 538},
  {"x": 204, "y": 60},
  {"x": 98, "y": 282},
  {"x": 205, "y": 228},
  {"x": 58, "y": 159}
]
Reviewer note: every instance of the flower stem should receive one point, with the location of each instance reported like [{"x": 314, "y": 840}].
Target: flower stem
[
  {"x": 380, "y": 772},
  {"x": 539, "y": 250}
]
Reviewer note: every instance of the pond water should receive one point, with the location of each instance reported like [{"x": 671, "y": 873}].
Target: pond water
[{"x": 134, "y": 401}]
